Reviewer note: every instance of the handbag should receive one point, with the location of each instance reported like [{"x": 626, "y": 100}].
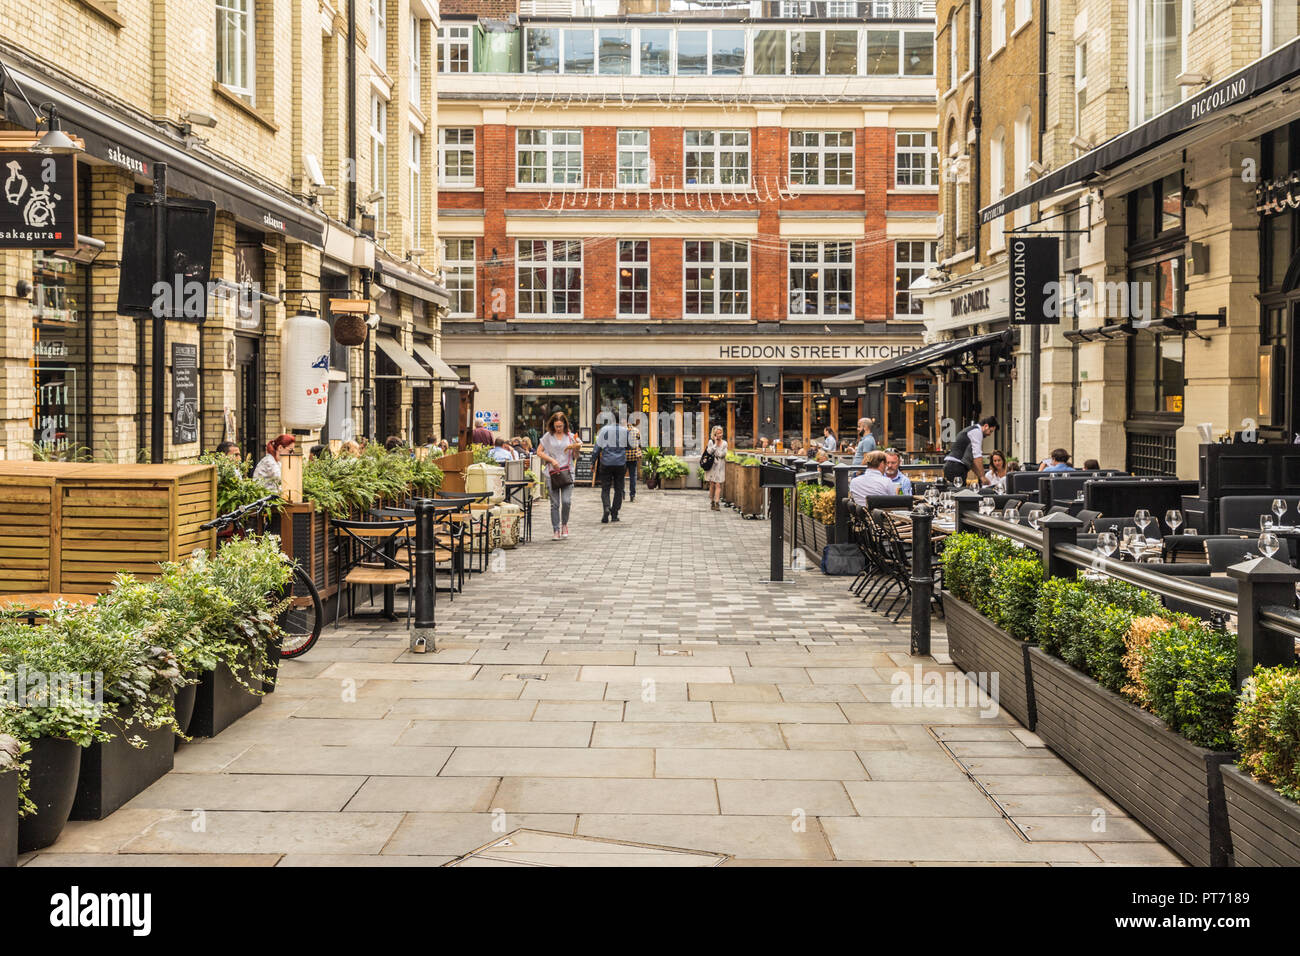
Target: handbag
[
  {"x": 707, "y": 461},
  {"x": 562, "y": 478}
]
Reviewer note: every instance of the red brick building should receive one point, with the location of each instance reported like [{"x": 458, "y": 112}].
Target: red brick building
[{"x": 681, "y": 215}]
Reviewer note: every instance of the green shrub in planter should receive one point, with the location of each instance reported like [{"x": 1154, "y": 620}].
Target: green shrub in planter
[
  {"x": 670, "y": 467},
  {"x": 1084, "y": 623},
  {"x": 968, "y": 564},
  {"x": 234, "y": 487},
  {"x": 1014, "y": 586},
  {"x": 1267, "y": 728},
  {"x": 12, "y": 753},
  {"x": 1188, "y": 673}
]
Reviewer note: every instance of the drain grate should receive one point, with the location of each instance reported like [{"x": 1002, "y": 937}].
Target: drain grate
[
  {"x": 522, "y": 676},
  {"x": 542, "y": 848}
]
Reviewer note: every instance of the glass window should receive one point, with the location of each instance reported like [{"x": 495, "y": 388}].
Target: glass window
[
  {"x": 728, "y": 52},
  {"x": 456, "y": 156},
  {"x": 882, "y": 53},
  {"x": 454, "y": 49},
  {"x": 379, "y": 153},
  {"x": 692, "y": 52},
  {"x": 1156, "y": 359},
  {"x": 415, "y": 59},
  {"x": 842, "y": 52},
  {"x": 615, "y": 51},
  {"x": 821, "y": 280},
  {"x": 912, "y": 259},
  {"x": 821, "y": 158},
  {"x": 769, "y": 53},
  {"x": 805, "y": 52},
  {"x": 548, "y": 157},
  {"x": 415, "y": 159},
  {"x": 458, "y": 268},
  {"x": 236, "y": 61},
  {"x": 633, "y": 278},
  {"x": 634, "y": 157},
  {"x": 549, "y": 277},
  {"x": 1156, "y": 51},
  {"x": 716, "y": 278},
  {"x": 378, "y": 48},
  {"x": 918, "y": 53},
  {"x": 58, "y": 372},
  {"x": 1281, "y": 22},
  {"x": 916, "y": 158},
  {"x": 542, "y": 50},
  {"x": 656, "y": 52},
  {"x": 717, "y": 157},
  {"x": 579, "y": 51}
]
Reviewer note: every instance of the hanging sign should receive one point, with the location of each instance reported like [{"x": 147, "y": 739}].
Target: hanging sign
[
  {"x": 1035, "y": 280},
  {"x": 185, "y": 393},
  {"x": 38, "y": 201}
]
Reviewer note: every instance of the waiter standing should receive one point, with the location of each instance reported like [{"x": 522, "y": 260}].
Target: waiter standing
[{"x": 967, "y": 451}]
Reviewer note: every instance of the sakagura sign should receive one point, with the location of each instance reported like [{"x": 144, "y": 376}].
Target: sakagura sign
[{"x": 38, "y": 201}]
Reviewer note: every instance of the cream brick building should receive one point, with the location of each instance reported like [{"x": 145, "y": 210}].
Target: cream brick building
[{"x": 319, "y": 125}]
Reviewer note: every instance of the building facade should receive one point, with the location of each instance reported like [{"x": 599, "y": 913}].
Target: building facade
[
  {"x": 313, "y": 137},
  {"x": 693, "y": 216}
]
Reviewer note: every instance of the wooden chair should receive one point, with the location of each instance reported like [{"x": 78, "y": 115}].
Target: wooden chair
[{"x": 369, "y": 555}]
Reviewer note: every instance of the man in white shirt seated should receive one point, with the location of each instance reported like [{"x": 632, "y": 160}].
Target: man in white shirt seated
[{"x": 873, "y": 481}]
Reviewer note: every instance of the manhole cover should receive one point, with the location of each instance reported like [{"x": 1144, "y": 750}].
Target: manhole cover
[{"x": 540, "y": 848}]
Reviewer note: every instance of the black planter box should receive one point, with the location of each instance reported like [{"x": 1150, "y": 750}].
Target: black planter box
[
  {"x": 1170, "y": 786},
  {"x": 1265, "y": 825},
  {"x": 979, "y": 646},
  {"x": 9, "y": 818},
  {"x": 185, "y": 698},
  {"x": 53, "y": 764},
  {"x": 221, "y": 700},
  {"x": 114, "y": 772}
]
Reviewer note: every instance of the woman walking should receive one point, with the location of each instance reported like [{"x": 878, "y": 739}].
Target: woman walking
[
  {"x": 557, "y": 448},
  {"x": 717, "y": 447}
]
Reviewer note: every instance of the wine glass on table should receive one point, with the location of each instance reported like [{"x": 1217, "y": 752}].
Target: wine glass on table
[
  {"x": 1127, "y": 541},
  {"x": 1173, "y": 518},
  {"x": 986, "y": 506},
  {"x": 1279, "y": 509},
  {"x": 1033, "y": 517},
  {"x": 1142, "y": 518},
  {"x": 1107, "y": 543},
  {"x": 1266, "y": 522},
  {"x": 1269, "y": 544}
]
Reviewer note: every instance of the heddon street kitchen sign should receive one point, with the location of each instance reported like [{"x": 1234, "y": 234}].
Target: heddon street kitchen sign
[{"x": 38, "y": 201}]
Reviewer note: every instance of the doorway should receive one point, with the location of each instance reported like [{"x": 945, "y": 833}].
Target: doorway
[{"x": 248, "y": 398}]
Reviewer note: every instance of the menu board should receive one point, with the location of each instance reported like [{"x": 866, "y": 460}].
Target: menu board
[{"x": 585, "y": 467}]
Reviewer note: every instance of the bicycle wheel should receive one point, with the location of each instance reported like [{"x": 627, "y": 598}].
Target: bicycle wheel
[{"x": 303, "y": 620}]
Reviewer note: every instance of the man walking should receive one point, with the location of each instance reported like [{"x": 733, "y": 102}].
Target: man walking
[
  {"x": 866, "y": 439},
  {"x": 612, "y": 443},
  {"x": 967, "y": 451}
]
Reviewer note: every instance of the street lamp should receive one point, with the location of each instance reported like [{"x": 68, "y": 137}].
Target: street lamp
[{"x": 55, "y": 142}]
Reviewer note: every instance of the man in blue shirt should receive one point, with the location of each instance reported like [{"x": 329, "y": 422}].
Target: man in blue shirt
[
  {"x": 612, "y": 443},
  {"x": 500, "y": 453},
  {"x": 1060, "y": 461},
  {"x": 866, "y": 440},
  {"x": 894, "y": 474}
]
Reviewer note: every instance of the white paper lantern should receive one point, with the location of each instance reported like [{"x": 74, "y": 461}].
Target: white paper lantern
[{"x": 305, "y": 380}]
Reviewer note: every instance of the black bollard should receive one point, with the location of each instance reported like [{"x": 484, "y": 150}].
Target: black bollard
[
  {"x": 841, "y": 510},
  {"x": 777, "y": 520},
  {"x": 422, "y": 638},
  {"x": 922, "y": 581}
]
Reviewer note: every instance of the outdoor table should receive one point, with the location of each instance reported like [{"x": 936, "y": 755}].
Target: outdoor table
[
  {"x": 522, "y": 487},
  {"x": 1290, "y": 532},
  {"x": 390, "y": 546}
]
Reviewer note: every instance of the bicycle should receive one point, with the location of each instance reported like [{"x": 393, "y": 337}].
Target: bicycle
[{"x": 303, "y": 620}]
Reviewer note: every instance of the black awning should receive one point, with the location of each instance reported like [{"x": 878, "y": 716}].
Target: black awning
[
  {"x": 1259, "y": 77},
  {"x": 129, "y": 143},
  {"x": 850, "y": 384}
]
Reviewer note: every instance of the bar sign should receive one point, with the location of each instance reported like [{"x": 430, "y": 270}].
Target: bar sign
[{"x": 1035, "y": 280}]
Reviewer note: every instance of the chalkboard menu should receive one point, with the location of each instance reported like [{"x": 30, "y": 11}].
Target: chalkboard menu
[
  {"x": 185, "y": 393},
  {"x": 585, "y": 467}
]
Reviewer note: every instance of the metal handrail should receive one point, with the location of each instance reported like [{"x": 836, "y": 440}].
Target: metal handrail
[
  {"x": 1179, "y": 588},
  {"x": 1284, "y": 620}
]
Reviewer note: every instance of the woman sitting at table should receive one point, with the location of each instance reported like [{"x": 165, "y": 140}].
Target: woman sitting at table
[{"x": 996, "y": 476}]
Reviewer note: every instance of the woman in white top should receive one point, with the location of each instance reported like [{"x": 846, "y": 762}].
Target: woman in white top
[
  {"x": 718, "y": 447},
  {"x": 268, "y": 469},
  {"x": 996, "y": 476},
  {"x": 557, "y": 448}
]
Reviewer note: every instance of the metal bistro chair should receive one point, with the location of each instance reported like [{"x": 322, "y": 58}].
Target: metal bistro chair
[
  {"x": 478, "y": 520},
  {"x": 367, "y": 554},
  {"x": 872, "y": 566}
]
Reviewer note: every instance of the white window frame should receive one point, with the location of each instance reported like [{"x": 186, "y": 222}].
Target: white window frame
[
  {"x": 931, "y": 247},
  {"x": 1022, "y": 148},
  {"x": 715, "y": 149},
  {"x": 819, "y": 267},
  {"x": 379, "y": 154},
  {"x": 997, "y": 186},
  {"x": 627, "y": 262},
  {"x": 415, "y": 56},
  {"x": 1139, "y": 46},
  {"x": 821, "y": 151},
  {"x": 638, "y": 156},
  {"x": 1080, "y": 84},
  {"x": 998, "y": 28},
  {"x": 841, "y": 8},
  {"x": 555, "y": 176},
  {"x": 1268, "y": 28},
  {"x": 378, "y": 47},
  {"x": 717, "y": 264},
  {"x": 445, "y": 148},
  {"x": 456, "y": 270},
  {"x": 549, "y": 265},
  {"x": 454, "y": 36},
  {"x": 929, "y": 168},
  {"x": 414, "y": 161},
  {"x": 238, "y": 16},
  {"x": 1024, "y": 11}
]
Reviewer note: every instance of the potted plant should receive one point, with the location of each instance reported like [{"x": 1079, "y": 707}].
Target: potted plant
[
  {"x": 1263, "y": 790},
  {"x": 671, "y": 472},
  {"x": 13, "y": 794},
  {"x": 988, "y": 611},
  {"x": 649, "y": 465}
]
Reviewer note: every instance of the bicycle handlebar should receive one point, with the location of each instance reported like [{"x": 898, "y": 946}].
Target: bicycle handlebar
[{"x": 221, "y": 522}]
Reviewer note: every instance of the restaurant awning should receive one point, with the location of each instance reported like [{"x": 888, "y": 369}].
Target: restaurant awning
[
  {"x": 851, "y": 384},
  {"x": 410, "y": 369},
  {"x": 1212, "y": 102},
  {"x": 400, "y": 279},
  {"x": 136, "y": 144},
  {"x": 442, "y": 372}
]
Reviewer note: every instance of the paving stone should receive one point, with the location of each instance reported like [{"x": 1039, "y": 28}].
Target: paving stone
[
  {"x": 424, "y": 794},
  {"x": 354, "y": 670},
  {"x": 759, "y": 764},
  {"x": 472, "y": 709},
  {"x": 663, "y": 674},
  {"x": 940, "y": 839},
  {"x": 443, "y": 689},
  {"x": 819, "y": 693},
  {"x": 841, "y": 737},
  {"x": 496, "y": 733},
  {"x": 900, "y": 798},
  {"x": 690, "y": 735},
  {"x": 650, "y": 692},
  {"x": 820, "y": 713},
  {"x": 225, "y": 791},
  {"x": 695, "y": 711},
  {"x": 910, "y": 765},
  {"x": 551, "y": 762},
  {"x": 333, "y": 860},
  {"x": 579, "y": 710},
  {"x": 50, "y": 857},
  {"x": 812, "y": 798},
  {"x": 237, "y": 831},
  {"x": 423, "y": 834},
  {"x": 744, "y": 836},
  {"x": 604, "y": 795},
  {"x": 1083, "y": 829},
  {"x": 389, "y": 761},
  {"x": 738, "y": 692}
]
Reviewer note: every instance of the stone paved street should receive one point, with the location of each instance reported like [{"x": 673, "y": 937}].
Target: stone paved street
[{"x": 637, "y": 684}]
